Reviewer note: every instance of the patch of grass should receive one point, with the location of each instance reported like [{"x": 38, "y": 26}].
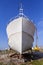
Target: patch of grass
[
  {"x": 1, "y": 63},
  {"x": 36, "y": 62},
  {"x": 23, "y": 64},
  {"x": 10, "y": 63}
]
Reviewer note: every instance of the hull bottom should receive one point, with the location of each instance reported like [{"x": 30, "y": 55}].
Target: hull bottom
[{"x": 20, "y": 42}]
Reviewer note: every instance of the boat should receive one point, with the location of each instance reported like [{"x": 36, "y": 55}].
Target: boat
[{"x": 20, "y": 32}]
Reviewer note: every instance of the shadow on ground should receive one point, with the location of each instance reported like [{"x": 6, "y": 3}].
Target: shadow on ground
[{"x": 33, "y": 56}]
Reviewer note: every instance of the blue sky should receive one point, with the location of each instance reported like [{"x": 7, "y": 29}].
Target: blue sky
[{"x": 33, "y": 9}]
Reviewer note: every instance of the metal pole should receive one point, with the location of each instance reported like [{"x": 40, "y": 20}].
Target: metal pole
[{"x": 36, "y": 37}]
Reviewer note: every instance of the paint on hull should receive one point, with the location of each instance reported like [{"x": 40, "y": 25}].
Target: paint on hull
[{"x": 20, "y": 34}]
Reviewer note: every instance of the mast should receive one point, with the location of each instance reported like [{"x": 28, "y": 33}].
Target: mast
[{"x": 21, "y": 10}]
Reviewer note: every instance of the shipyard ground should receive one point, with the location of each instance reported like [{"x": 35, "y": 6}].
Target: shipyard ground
[{"x": 36, "y": 58}]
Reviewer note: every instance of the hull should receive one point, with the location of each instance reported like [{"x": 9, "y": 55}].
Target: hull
[
  {"x": 20, "y": 34},
  {"x": 20, "y": 42},
  {"x": 27, "y": 41}
]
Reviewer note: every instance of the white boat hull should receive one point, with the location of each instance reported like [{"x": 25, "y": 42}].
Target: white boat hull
[{"x": 20, "y": 34}]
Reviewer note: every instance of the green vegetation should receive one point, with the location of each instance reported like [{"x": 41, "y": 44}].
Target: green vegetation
[
  {"x": 1, "y": 63},
  {"x": 11, "y": 63},
  {"x": 34, "y": 62},
  {"x": 37, "y": 62}
]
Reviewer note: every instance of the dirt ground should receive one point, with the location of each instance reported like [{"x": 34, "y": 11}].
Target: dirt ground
[{"x": 27, "y": 58}]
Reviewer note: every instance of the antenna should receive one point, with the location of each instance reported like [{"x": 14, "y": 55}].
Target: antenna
[
  {"x": 36, "y": 37},
  {"x": 21, "y": 10}
]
